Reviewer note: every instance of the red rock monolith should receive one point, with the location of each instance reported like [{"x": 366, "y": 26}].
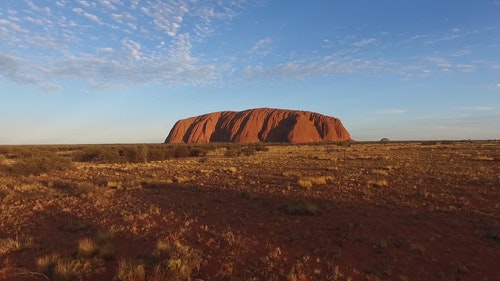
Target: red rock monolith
[{"x": 259, "y": 125}]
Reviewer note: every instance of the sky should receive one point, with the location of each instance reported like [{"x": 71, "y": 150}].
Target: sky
[{"x": 124, "y": 71}]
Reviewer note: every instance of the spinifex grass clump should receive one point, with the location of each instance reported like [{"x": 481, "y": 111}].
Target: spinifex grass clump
[{"x": 87, "y": 248}]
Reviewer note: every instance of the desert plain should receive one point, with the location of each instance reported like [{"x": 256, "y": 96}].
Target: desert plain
[{"x": 330, "y": 211}]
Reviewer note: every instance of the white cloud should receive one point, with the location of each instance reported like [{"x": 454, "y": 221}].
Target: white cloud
[
  {"x": 84, "y": 3},
  {"x": 466, "y": 67},
  {"x": 390, "y": 111},
  {"x": 440, "y": 62},
  {"x": 35, "y": 8},
  {"x": 12, "y": 25},
  {"x": 124, "y": 37},
  {"x": 133, "y": 48},
  {"x": 92, "y": 17},
  {"x": 78, "y": 10},
  {"x": 107, "y": 50},
  {"x": 17, "y": 70},
  {"x": 262, "y": 47},
  {"x": 497, "y": 86},
  {"x": 108, "y": 5},
  {"x": 117, "y": 17},
  {"x": 364, "y": 42},
  {"x": 479, "y": 108},
  {"x": 329, "y": 65}
]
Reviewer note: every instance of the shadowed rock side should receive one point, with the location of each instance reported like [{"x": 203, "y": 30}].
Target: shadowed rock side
[{"x": 259, "y": 125}]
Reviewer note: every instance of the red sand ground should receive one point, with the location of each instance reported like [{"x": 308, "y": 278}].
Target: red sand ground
[{"x": 386, "y": 212}]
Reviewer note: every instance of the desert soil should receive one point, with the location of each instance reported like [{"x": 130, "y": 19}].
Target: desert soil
[{"x": 368, "y": 211}]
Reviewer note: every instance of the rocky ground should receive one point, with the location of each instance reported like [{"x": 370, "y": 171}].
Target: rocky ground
[{"x": 367, "y": 211}]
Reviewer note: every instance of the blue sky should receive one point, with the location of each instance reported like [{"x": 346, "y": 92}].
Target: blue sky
[{"x": 115, "y": 71}]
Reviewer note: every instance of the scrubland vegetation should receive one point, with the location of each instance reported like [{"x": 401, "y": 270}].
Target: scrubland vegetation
[{"x": 334, "y": 211}]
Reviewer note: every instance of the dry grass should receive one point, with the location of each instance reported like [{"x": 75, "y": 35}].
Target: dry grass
[
  {"x": 87, "y": 248},
  {"x": 9, "y": 245},
  {"x": 182, "y": 260},
  {"x": 131, "y": 271},
  {"x": 172, "y": 261},
  {"x": 380, "y": 172},
  {"x": 309, "y": 182},
  {"x": 378, "y": 183},
  {"x": 484, "y": 158},
  {"x": 46, "y": 264},
  {"x": 59, "y": 268},
  {"x": 237, "y": 210}
]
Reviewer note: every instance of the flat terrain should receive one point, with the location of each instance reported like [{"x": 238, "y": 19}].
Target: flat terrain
[{"x": 362, "y": 211}]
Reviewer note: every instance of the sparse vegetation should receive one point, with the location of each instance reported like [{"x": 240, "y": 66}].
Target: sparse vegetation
[
  {"x": 131, "y": 271},
  {"x": 36, "y": 165},
  {"x": 302, "y": 207},
  {"x": 309, "y": 182},
  {"x": 293, "y": 212},
  {"x": 59, "y": 268}
]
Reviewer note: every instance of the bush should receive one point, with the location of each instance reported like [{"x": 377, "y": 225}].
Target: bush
[
  {"x": 135, "y": 154},
  {"x": 302, "y": 207},
  {"x": 180, "y": 262},
  {"x": 37, "y": 165},
  {"x": 129, "y": 271},
  {"x": 99, "y": 154},
  {"x": 2, "y": 158},
  {"x": 246, "y": 150},
  {"x": 172, "y": 261}
]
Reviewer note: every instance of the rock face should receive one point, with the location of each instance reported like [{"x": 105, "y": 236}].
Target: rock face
[{"x": 259, "y": 125}]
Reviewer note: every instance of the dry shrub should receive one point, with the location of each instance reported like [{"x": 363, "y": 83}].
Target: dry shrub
[
  {"x": 173, "y": 261},
  {"x": 67, "y": 269},
  {"x": 135, "y": 154},
  {"x": 130, "y": 271},
  {"x": 77, "y": 269},
  {"x": 180, "y": 262},
  {"x": 36, "y": 165},
  {"x": 103, "y": 154},
  {"x": 302, "y": 207},
  {"x": 292, "y": 174},
  {"x": 234, "y": 150},
  {"x": 305, "y": 183}
]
